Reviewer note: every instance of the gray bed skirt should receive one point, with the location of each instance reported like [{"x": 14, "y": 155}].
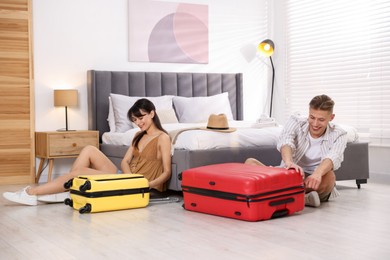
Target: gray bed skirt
[{"x": 354, "y": 166}]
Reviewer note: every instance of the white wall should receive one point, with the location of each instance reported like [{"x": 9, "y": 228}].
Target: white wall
[
  {"x": 73, "y": 36},
  {"x": 379, "y": 160}
]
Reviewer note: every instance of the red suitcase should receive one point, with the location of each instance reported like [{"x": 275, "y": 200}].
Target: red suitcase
[{"x": 243, "y": 191}]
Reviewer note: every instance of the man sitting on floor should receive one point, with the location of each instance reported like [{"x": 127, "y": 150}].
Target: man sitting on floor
[{"x": 314, "y": 147}]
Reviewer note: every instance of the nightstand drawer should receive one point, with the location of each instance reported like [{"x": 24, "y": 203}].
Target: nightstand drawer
[{"x": 65, "y": 144}]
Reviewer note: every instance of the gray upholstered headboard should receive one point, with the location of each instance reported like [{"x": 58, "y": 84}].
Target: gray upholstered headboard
[{"x": 151, "y": 84}]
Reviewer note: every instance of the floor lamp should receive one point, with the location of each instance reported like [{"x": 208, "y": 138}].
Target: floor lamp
[
  {"x": 267, "y": 48},
  {"x": 65, "y": 98}
]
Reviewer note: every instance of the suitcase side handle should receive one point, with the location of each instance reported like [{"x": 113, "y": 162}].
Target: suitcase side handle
[{"x": 281, "y": 202}]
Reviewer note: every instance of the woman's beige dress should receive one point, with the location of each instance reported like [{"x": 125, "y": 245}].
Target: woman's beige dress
[{"x": 145, "y": 162}]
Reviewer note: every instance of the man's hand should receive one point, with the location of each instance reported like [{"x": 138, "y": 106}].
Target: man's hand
[
  {"x": 313, "y": 181},
  {"x": 291, "y": 165}
]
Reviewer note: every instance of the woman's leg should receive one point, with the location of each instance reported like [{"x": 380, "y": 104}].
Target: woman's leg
[
  {"x": 90, "y": 161},
  {"x": 253, "y": 161},
  {"x": 92, "y": 157}
]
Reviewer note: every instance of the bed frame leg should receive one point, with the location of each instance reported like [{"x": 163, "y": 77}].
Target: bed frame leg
[{"x": 360, "y": 181}]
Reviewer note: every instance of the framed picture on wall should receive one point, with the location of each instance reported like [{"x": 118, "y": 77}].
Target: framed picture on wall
[{"x": 168, "y": 32}]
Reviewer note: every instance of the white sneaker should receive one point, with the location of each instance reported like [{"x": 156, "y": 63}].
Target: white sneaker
[
  {"x": 334, "y": 194},
  {"x": 21, "y": 197},
  {"x": 54, "y": 198},
  {"x": 312, "y": 199}
]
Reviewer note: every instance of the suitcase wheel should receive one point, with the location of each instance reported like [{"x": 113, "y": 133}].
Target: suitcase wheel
[
  {"x": 280, "y": 213},
  {"x": 86, "y": 186},
  {"x": 86, "y": 209},
  {"x": 68, "y": 202},
  {"x": 68, "y": 184}
]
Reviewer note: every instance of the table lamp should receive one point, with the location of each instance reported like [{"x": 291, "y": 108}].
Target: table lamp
[{"x": 65, "y": 98}]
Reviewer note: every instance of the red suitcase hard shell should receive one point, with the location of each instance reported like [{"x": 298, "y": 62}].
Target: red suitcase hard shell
[{"x": 243, "y": 191}]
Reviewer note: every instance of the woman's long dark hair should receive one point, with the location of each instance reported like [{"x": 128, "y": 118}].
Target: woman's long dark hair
[{"x": 135, "y": 111}]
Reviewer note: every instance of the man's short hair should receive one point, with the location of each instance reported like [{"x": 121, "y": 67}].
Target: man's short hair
[{"x": 322, "y": 102}]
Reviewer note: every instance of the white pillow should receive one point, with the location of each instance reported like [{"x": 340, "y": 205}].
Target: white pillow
[
  {"x": 198, "y": 109},
  {"x": 121, "y": 105},
  {"x": 111, "y": 117},
  {"x": 352, "y": 133},
  {"x": 166, "y": 116}
]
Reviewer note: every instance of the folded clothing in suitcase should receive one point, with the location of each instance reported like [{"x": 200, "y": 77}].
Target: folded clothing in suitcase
[
  {"x": 243, "y": 191},
  {"x": 96, "y": 193}
]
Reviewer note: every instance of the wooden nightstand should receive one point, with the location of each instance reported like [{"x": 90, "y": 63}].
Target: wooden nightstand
[{"x": 66, "y": 144}]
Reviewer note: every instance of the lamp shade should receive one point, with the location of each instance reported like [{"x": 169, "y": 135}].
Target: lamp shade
[
  {"x": 65, "y": 97},
  {"x": 266, "y": 47}
]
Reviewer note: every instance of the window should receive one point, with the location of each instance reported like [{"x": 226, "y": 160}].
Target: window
[{"x": 342, "y": 49}]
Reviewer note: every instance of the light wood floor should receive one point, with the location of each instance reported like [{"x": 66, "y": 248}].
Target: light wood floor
[{"x": 354, "y": 226}]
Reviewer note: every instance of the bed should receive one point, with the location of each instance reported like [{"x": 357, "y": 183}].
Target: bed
[{"x": 119, "y": 85}]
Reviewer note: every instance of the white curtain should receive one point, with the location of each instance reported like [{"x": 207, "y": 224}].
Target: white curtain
[{"x": 342, "y": 49}]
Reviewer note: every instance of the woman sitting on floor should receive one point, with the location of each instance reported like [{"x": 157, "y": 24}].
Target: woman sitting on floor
[{"x": 149, "y": 155}]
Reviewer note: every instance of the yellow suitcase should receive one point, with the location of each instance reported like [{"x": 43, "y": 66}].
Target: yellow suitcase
[{"x": 97, "y": 193}]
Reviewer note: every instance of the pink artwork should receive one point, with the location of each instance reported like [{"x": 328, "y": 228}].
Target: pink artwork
[{"x": 168, "y": 32}]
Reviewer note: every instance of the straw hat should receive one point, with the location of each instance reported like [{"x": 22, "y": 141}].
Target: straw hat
[{"x": 218, "y": 123}]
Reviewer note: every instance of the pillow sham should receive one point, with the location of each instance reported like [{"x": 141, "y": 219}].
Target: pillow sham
[
  {"x": 167, "y": 116},
  {"x": 198, "y": 109},
  {"x": 121, "y": 105}
]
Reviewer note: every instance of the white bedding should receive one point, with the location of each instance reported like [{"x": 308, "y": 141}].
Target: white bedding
[{"x": 247, "y": 134}]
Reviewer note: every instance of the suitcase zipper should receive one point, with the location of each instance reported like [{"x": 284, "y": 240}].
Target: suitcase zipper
[
  {"x": 98, "y": 194},
  {"x": 248, "y": 200},
  {"x": 113, "y": 179},
  {"x": 243, "y": 197}
]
